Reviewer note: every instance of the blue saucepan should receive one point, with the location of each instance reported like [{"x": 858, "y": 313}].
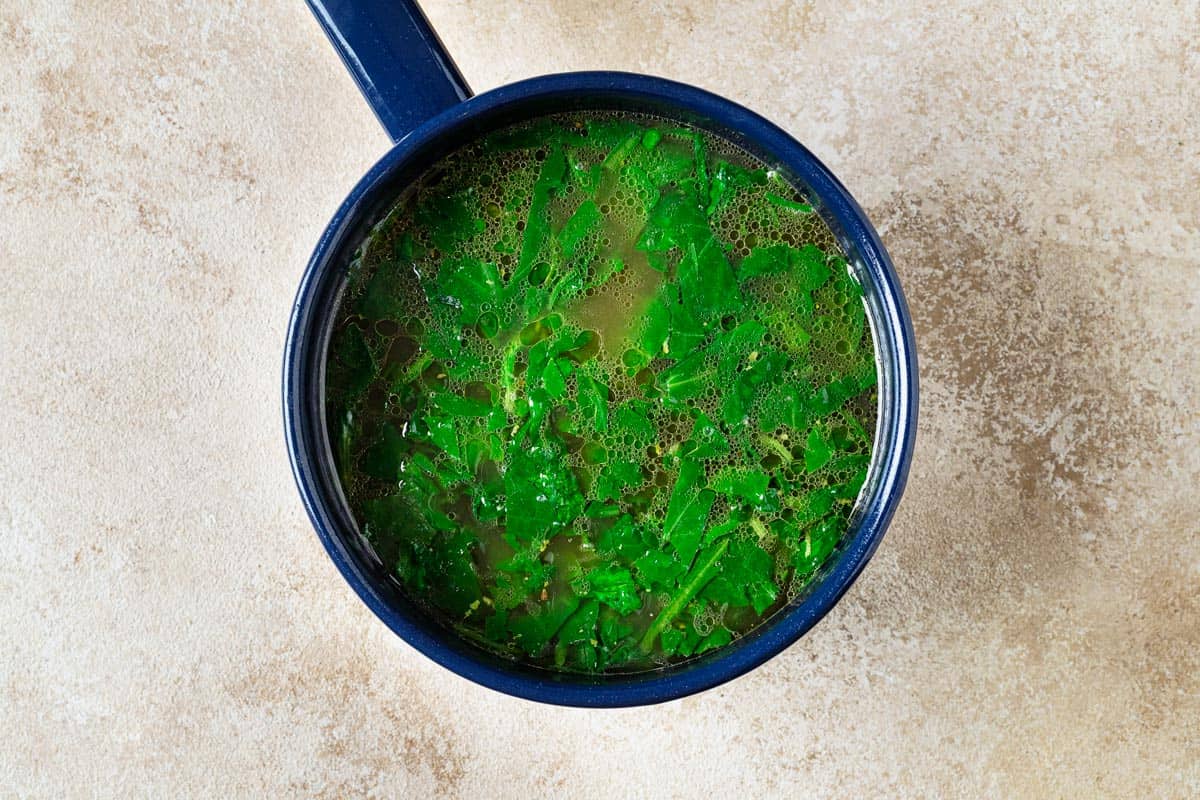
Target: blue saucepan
[{"x": 422, "y": 100}]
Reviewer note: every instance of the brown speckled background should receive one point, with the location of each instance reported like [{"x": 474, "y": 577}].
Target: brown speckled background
[{"x": 1030, "y": 627}]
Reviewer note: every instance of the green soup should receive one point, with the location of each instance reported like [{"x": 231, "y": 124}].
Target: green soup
[{"x": 601, "y": 392}]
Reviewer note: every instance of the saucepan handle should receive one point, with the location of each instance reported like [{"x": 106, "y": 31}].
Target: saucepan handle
[{"x": 395, "y": 57}]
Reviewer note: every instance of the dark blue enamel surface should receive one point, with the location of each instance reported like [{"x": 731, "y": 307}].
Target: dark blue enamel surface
[
  {"x": 316, "y": 303},
  {"x": 395, "y": 57}
]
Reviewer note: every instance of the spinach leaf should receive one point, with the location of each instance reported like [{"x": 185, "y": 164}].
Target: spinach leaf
[
  {"x": 418, "y": 476},
  {"x": 449, "y": 218},
  {"x": 617, "y": 647},
  {"x": 580, "y": 626},
  {"x": 535, "y": 407},
  {"x": 624, "y": 539},
  {"x": 767, "y": 260},
  {"x": 618, "y": 476},
  {"x": 718, "y": 638},
  {"x": 632, "y": 420},
  {"x": 735, "y": 347},
  {"x": 819, "y": 542},
  {"x": 807, "y": 264},
  {"x": 790, "y": 205},
  {"x": 383, "y": 459},
  {"x": 533, "y": 630},
  {"x": 655, "y": 328},
  {"x": 813, "y": 505},
  {"x": 437, "y": 562},
  {"x": 582, "y": 224},
  {"x": 671, "y": 640},
  {"x": 849, "y": 490},
  {"x": 849, "y": 462},
  {"x": 612, "y": 585},
  {"x": 395, "y": 528},
  {"x": 657, "y": 570},
  {"x": 487, "y": 500},
  {"x": 438, "y": 430},
  {"x": 832, "y": 396},
  {"x": 471, "y": 285},
  {"x": 537, "y": 227},
  {"x": 750, "y": 485},
  {"x": 520, "y": 576},
  {"x": 736, "y": 519},
  {"x": 459, "y": 406},
  {"x": 704, "y": 570},
  {"x": 729, "y": 178},
  {"x": 786, "y": 404},
  {"x": 385, "y": 292},
  {"x": 451, "y": 574},
  {"x": 687, "y": 378},
  {"x": 706, "y": 440},
  {"x": 669, "y": 164},
  {"x": 554, "y": 376},
  {"x": 687, "y": 511},
  {"x": 608, "y": 133},
  {"x": 762, "y": 371},
  {"x": 543, "y": 496},
  {"x": 686, "y": 331},
  {"x": 444, "y": 338},
  {"x": 745, "y": 577},
  {"x": 593, "y": 402},
  {"x": 706, "y": 281},
  {"x": 672, "y": 223},
  {"x": 817, "y": 450}
]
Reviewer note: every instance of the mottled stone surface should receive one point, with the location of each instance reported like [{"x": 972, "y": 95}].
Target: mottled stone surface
[{"x": 1031, "y": 624}]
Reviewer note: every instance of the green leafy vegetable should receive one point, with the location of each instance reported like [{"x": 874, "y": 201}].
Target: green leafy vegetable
[
  {"x": 632, "y": 421},
  {"x": 687, "y": 512},
  {"x": 748, "y": 485},
  {"x": 687, "y": 378},
  {"x": 706, "y": 281},
  {"x": 384, "y": 458},
  {"x": 817, "y": 545},
  {"x": 537, "y": 227},
  {"x": 449, "y": 218},
  {"x": 617, "y": 477},
  {"x": 790, "y": 205},
  {"x": 470, "y": 284},
  {"x": 703, "y": 571},
  {"x": 580, "y": 626},
  {"x": 706, "y": 440},
  {"x": 657, "y": 568},
  {"x": 624, "y": 539},
  {"x": 533, "y": 630},
  {"x": 593, "y": 400},
  {"x": 745, "y": 577},
  {"x": 543, "y": 495},
  {"x": 817, "y": 451},
  {"x": 612, "y": 585}
]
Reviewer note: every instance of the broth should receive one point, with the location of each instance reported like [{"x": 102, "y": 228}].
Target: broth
[{"x": 601, "y": 392}]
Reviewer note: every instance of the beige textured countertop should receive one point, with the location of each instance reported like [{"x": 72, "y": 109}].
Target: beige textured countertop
[{"x": 1030, "y": 627}]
